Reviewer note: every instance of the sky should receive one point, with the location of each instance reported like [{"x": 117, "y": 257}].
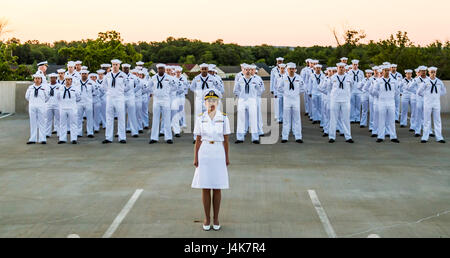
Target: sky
[{"x": 279, "y": 23}]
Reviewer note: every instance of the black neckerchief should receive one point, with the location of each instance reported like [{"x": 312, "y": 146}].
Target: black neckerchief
[
  {"x": 113, "y": 83},
  {"x": 36, "y": 91},
  {"x": 387, "y": 84},
  {"x": 341, "y": 83},
  {"x": 204, "y": 82},
  {"x": 433, "y": 86},
  {"x": 247, "y": 84},
  {"x": 291, "y": 83},
  {"x": 68, "y": 92},
  {"x": 159, "y": 85}
]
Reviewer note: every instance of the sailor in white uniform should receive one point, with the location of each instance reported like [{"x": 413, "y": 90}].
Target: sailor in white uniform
[
  {"x": 406, "y": 102},
  {"x": 146, "y": 88},
  {"x": 130, "y": 103},
  {"x": 413, "y": 87},
  {"x": 85, "y": 105},
  {"x": 96, "y": 101},
  {"x": 304, "y": 75},
  {"x": 315, "y": 80},
  {"x": 274, "y": 74},
  {"x": 258, "y": 78},
  {"x": 432, "y": 90},
  {"x": 365, "y": 97},
  {"x": 247, "y": 90},
  {"x": 386, "y": 88},
  {"x": 72, "y": 72},
  {"x": 36, "y": 95},
  {"x": 52, "y": 112},
  {"x": 291, "y": 86},
  {"x": 61, "y": 74},
  {"x": 355, "y": 101},
  {"x": 42, "y": 70},
  {"x": 398, "y": 77},
  {"x": 68, "y": 96},
  {"x": 115, "y": 86},
  {"x": 211, "y": 156},
  {"x": 340, "y": 90},
  {"x": 162, "y": 87}
]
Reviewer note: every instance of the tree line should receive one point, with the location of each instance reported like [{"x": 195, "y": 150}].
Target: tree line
[{"x": 18, "y": 60}]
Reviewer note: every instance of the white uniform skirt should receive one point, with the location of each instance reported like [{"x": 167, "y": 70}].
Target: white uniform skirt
[{"x": 211, "y": 172}]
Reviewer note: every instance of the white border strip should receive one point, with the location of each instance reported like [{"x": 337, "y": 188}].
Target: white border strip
[
  {"x": 322, "y": 215},
  {"x": 122, "y": 214},
  {"x": 10, "y": 114}
]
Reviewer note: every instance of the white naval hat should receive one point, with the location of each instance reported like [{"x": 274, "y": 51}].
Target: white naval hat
[
  {"x": 422, "y": 68},
  {"x": 178, "y": 68},
  {"x": 430, "y": 69},
  {"x": 368, "y": 71},
  {"x": 343, "y": 58},
  {"x": 52, "y": 75},
  {"x": 116, "y": 61},
  {"x": 308, "y": 60},
  {"x": 384, "y": 67},
  {"x": 42, "y": 63},
  {"x": 161, "y": 65},
  {"x": 375, "y": 68},
  {"x": 393, "y": 66},
  {"x": 280, "y": 59},
  {"x": 416, "y": 70},
  {"x": 93, "y": 74},
  {"x": 243, "y": 64},
  {"x": 71, "y": 64},
  {"x": 68, "y": 76},
  {"x": 105, "y": 65},
  {"x": 408, "y": 71},
  {"x": 318, "y": 66},
  {"x": 379, "y": 70},
  {"x": 84, "y": 67},
  {"x": 204, "y": 65},
  {"x": 140, "y": 63},
  {"x": 341, "y": 64},
  {"x": 211, "y": 67},
  {"x": 78, "y": 62},
  {"x": 100, "y": 71},
  {"x": 84, "y": 71},
  {"x": 314, "y": 61},
  {"x": 355, "y": 61},
  {"x": 291, "y": 65},
  {"x": 386, "y": 63},
  {"x": 347, "y": 67},
  {"x": 61, "y": 70},
  {"x": 38, "y": 75},
  {"x": 212, "y": 93},
  {"x": 126, "y": 65},
  {"x": 282, "y": 65}
]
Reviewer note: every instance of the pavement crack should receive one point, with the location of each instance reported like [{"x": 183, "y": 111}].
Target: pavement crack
[{"x": 398, "y": 224}]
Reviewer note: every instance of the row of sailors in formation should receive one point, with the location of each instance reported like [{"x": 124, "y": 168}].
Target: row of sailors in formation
[
  {"x": 344, "y": 95},
  {"x": 69, "y": 96}
]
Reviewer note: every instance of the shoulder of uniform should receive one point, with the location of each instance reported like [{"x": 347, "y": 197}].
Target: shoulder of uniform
[
  {"x": 223, "y": 113},
  {"x": 201, "y": 114}
]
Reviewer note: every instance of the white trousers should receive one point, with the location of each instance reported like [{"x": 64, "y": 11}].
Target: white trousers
[
  {"x": 364, "y": 110},
  {"x": 397, "y": 107},
  {"x": 316, "y": 107},
  {"x": 355, "y": 107},
  {"x": 386, "y": 120},
  {"x": 406, "y": 102},
  {"x": 97, "y": 115},
  {"x": 291, "y": 119},
  {"x": 161, "y": 108},
  {"x": 419, "y": 116},
  {"x": 130, "y": 109},
  {"x": 86, "y": 109},
  {"x": 115, "y": 106},
  {"x": 250, "y": 106},
  {"x": 68, "y": 117},
  {"x": 37, "y": 123},
  {"x": 145, "y": 101},
  {"x": 52, "y": 114},
  {"x": 138, "y": 102},
  {"x": 413, "y": 114},
  {"x": 435, "y": 110},
  {"x": 340, "y": 111}
]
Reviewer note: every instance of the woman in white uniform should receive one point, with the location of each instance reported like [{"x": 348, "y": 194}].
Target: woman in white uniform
[{"x": 211, "y": 156}]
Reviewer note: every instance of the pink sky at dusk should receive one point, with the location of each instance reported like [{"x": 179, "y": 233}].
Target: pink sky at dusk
[{"x": 280, "y": 23}]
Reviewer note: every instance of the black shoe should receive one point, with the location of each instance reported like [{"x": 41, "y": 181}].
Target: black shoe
[
  {"x": 115, "y": 118},
  {"x": 310, "y": 119},
  {"x": 423, "y": 141},
  {"x": 255, "y": 142},
  {"x": 106, "y": 141},
  {"x": 417, "y": 135},
  {"x": 84, "y": 118},
  {"x": 54, "y": 132},
  {"x": 432, "y": 135},
  {"x": 43, "y": 142},
  {"x": 194, "y": 142},
  {"x": 402, "y": 126},
  {"x": 411, "y": 130},
  {"x": 68, "y": 132},
  {"x": 128, "y": 131},
  {"x": 135, "y": 136},
  {"x": 123, "y": 141},
  {"x": 283, "y": 141},
  {"x": 90, "y": 136},
  {"x": 169, "y": 142},
  {"x": 146, "y": 128},
  {"x": 306, "y": 114},
  {"x": 370, "y": 130},
  {"x": 31, "y": 142},
  {"x": 325, "y": 135},
  {"x": 61, "y": 142},
  {"x": 74, "y": 142},
  {"x": 314, "y": 122},
  {"x": 397, "y": 121},
  {"x": 261, "y": 135},
  {"x": 152, "y": 141},
  {"x": 374, "y": 135},
  {"x": 117, "y": 136},
  {"x": 177, "y": 135},
  {"x": 141, "y": 131},
  {"x": 331, "y": 141},
  {"x": 47, "y": 136},
  {"x": 442, "y": 141},
  {"x": 379, "y": 140},
  {"x": 395, "y": 140},
  {"x": 280, "y": 122},
  {"x": 388, "y": 136},
  {"x": 362, "y": 126},
  {"x": 96, "y": 131},
  {"x": 341, "y": 134},
  {"x": 299, "y": 141},
  {"x": 161, "y": 135},
  {"x": 349, "y": 141},
  {"x": 80, "y": 136},
  {"x": 238, "y": 141}
]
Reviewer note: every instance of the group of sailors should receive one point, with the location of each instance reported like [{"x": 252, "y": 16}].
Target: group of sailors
[{"x": 378, "y": 98}]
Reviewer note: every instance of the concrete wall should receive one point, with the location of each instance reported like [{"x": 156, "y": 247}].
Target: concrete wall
[{"x": 12, "y": 96}]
